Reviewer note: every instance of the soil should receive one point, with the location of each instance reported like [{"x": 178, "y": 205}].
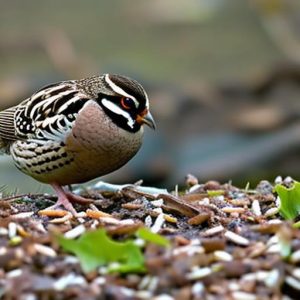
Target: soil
[{"x": 226, "y": 243}]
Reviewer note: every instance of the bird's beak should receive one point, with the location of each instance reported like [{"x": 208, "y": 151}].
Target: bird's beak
[{"x": 147, "y": 119}]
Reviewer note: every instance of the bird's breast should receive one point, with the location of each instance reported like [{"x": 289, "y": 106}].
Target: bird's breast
[{"x": 98, "y": 145}]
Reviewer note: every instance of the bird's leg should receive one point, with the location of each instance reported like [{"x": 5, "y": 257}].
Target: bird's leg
[
  {"x": 78, "y": 199},
  {"x": 63, "y": 199}
]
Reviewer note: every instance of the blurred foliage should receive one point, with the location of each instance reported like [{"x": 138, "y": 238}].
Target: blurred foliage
[
  {"x": 223, "y": 78},
  {"x": 159, "y": 40}
]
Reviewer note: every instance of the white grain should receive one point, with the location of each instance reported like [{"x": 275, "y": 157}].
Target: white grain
[{"x": 238, "y": 239}]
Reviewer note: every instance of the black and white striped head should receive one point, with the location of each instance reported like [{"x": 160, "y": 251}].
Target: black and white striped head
[{"x": 125, "y": 101}]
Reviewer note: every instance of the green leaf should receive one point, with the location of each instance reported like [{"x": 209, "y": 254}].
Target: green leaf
[
  {"x": 215, "y": 193},
  {"x": 147, "y": 235},
  {"x": 289, "y": 200},
  {"x": 95, "y": 249}
]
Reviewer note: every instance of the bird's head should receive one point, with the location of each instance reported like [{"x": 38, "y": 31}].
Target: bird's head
[{"x": 125, "y": 101}]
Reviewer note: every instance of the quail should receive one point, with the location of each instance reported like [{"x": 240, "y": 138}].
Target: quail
[{"x": 74, "y": 131}]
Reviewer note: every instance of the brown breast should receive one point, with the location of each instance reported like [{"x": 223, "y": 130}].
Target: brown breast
[{"x": 97, "y": 145}]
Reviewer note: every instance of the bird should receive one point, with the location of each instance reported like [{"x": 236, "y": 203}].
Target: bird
[{"x": 73, "y": 131}]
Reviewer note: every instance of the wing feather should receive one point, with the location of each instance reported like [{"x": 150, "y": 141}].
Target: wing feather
[
  {"x": 50, "y": 112},
  {"x": 47, "y": 114},
  {"x": 7, "y": 125}
]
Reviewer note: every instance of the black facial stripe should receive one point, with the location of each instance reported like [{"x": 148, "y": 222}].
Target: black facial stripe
[{"x": 119, "y": 120}]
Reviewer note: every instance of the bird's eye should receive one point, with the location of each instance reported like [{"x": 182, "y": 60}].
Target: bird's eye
[{"x": 127, "y": 103}]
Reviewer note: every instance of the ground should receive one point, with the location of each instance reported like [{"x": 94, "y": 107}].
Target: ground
[{"x": 225, "y": 243}]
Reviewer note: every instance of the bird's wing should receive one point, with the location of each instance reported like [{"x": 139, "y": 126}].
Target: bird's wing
[
  {"x": 7, "y": 126},
  {"x": 47, "y": 114}
]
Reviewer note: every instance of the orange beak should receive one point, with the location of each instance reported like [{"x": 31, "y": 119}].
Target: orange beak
[{"x": 146, "y": 118}]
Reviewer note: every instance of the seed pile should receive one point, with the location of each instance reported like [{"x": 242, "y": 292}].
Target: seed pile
[{"x": 226, "y": 243}]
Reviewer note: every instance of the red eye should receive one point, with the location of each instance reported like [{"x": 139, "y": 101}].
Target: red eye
[{"x": 126, "y": 103}]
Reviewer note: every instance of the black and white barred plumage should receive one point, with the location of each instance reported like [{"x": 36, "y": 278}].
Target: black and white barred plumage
[
  {"x": 74, "y": 131},
  {"x": 49, "y": 113}
]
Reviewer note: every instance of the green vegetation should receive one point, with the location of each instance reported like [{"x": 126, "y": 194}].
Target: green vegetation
[
  {"x": 289, "y": 200},
  {"x": 95, "y": 249}
]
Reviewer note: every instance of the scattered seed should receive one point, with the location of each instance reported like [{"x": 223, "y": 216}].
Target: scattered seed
[
  {"x": 64, "y": 219},
  {"x": 204, "y": 201},
  {"x": 296, "y": 273},
  {"x": 249, "y": 277},
  {"x": 16, "y": 240},
  {"x": 170, "y": 219},
  {"x": 157, "y": 203},
  {"x": 163, "y": 297},
  {"x": 278, "y": 180},
  {"x": 273, "y": 240},
  {"x": 14, "y": 273},
  {"x": 23, "y": 215},
  {"x": 110, "y": 220},
  {"x": 199, "y": 219},
  {"x": 143, "y": 295},
  {"x": 275, "y": 221},
  {"x": 213, "y": 230},
  {"x": 70, "y": 279},
  {"x": 96, "y": 214},
  {"x": 132, "y": 206},
  {"x": 148, "y": 221},
  {"x": 198, "y": 273},
  {"x": 152, "y": 286},
  {"x": 3, "y": 251},
  {"x": 198, "y": 289},
  {"x": 21, "y": 231},
  {"x": 99, "y": 280},
  {"x": 81, "y": 214},
  {"x": 243, "y": 296},
  {"x": 256, "y": 208},
  {"x": 229, "y": 209},
  {"x": 45, "y": 250},
  {"x": 288, "y": 180},
  {"x": 240, "y": 202},
  {"x": 126, "y": 222},
  {"x": 160, "y": 220},
  {"x": 144, "y": 282},
  {"x": 194, "y": 188},
  {"x": 190, "y": 250},
  {"x": 233, "y": 286},
  {"x": 222, "y": 256},
  {"x": 12, "y": 230},
  {"x": 158, "y": 210},
  {"x": 275, "y": 248},
  {"x": 293, "y": 282},
  {"x": 53, "y": 213},
  {"x": 40, "y": 227},
  {"x": 271, "y": 212},
  {"x": 273, "y": 278},
  {"x": 75, "y": 232},
  {"x": 258, "y": 249},
  {"x": 3, "y": 231},
  {"x": 238, "y": 239},
  {"x": 295, "y": 257}
]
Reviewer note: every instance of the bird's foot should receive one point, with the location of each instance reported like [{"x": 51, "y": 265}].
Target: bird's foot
[
  {"x": 62, "y": 202},
  {"x": 78, "y": 199},
  {"x": 65, "y": 199}
]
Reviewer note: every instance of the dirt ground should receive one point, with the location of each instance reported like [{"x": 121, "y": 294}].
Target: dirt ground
[{"x": 226, "y": 243}]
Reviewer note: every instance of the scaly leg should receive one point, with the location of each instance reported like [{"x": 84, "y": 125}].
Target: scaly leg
[
  {"x": 62, "y": 199},
  {"x": 65, "y": 199}
]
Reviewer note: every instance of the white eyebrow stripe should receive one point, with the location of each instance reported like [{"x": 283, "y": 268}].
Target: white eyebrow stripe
[
  {"x": 118, "y": 90},
  {"x": 117, "y": 110}
]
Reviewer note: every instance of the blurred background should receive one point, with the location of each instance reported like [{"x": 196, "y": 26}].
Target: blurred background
[{"x": 223, "y": 77}]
